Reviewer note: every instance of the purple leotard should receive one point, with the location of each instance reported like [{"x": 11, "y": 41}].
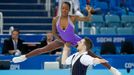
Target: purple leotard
[{"x": 68, "y": 35}]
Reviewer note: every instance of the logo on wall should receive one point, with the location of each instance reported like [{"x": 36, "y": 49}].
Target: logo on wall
[{"x": 129, "y": 66}]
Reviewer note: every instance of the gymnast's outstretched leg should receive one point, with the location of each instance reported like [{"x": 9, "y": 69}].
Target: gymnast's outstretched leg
[{"x": 50, "y": 47}]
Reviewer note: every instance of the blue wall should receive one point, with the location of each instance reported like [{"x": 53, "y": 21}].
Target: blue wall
[{"x": 37, "y": 62}]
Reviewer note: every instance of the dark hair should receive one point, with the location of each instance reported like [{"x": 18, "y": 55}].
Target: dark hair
[
  {"x": 88, "y": 43},
  {"x": 17, "y": 30},
  {"x": 68, "y": 4}
]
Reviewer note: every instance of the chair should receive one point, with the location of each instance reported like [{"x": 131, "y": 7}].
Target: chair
[
  {"x": 97, "y": 20},
  {"x": 113, "y": 21},
  {"x": 125, "y": 31},
  {"x": 103, "y": 6},
  {"x": 86, "y": 31},
  {"x": 127, "y": 20},
  {"x": 131, "y": 13},
  {"x": 108, "y": 31}
]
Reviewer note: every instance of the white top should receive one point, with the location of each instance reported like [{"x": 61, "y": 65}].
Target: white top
[
  {"x": 14, "y": 44},
  {"x": 76, "y": 4},
  {"x": 85, "y": 59}
]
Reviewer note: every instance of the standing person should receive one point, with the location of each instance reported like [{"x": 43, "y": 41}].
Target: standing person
[
  {"x": 80, "y": 60},
  {"x": 63, "y": 30},
  {"x": 14, "y": 45}
]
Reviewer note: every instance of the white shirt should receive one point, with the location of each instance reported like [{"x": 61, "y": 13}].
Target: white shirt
[
  {"x": 85, "y": 59},
  {"x": 76, "y": 4},
  {"x": 14, "y": 44}
]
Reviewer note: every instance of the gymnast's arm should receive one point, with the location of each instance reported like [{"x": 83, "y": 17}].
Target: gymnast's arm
[
  {"x": 85, "y": 18},
  {"x": 112, "y": 69},
  {"x": 95, "y": 56}
]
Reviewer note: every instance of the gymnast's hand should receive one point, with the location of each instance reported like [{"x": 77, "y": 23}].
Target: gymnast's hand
[
  {"x": 88, "y": 8},
  {"x": 68, "y": 44}
]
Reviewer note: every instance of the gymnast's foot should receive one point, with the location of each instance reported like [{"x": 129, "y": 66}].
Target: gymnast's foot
[{"x": 19, "y": 59}]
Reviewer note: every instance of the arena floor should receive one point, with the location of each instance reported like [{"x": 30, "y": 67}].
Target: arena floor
[{"x": 58, "y": 72}]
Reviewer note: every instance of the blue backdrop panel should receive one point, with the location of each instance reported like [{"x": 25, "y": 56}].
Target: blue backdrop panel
[
  {"x": 97, "y": 39},
  {"x": 37, "y": 62}
]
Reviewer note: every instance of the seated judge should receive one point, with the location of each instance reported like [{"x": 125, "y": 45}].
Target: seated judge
[{"x": 14, "y": 45}]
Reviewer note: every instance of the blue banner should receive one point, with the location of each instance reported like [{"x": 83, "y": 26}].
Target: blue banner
[
  {"x": 37, "y": 62},
  {"x": 116, "y": 39},
  {"x": 97, "y": 39}
]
